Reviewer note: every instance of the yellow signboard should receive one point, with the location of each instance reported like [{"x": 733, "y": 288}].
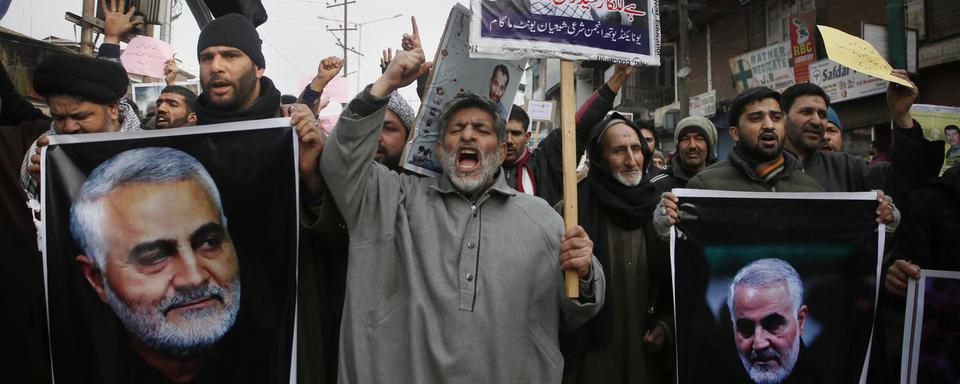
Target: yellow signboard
[{"x": 857, "y": 54}]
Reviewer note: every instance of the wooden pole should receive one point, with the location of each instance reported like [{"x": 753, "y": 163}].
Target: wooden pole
[
  {"x": 86, "y": 31},
  {"x": 568, "y": 122}
]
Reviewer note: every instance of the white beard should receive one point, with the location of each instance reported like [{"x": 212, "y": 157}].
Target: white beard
[
  {"x": 197, "y": 331},
  {"x": 628, "y": 180},
  {"x": 777, "y": 375},
  {"x": 489, "y": 164}
]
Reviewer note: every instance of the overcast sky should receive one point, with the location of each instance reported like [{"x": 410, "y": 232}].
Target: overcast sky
[{"x": 294, "y": 39}]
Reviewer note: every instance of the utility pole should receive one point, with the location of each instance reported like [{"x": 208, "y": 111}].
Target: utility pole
[
  {"x": 86, "y": 30},
  {"x": 345, "y": 29},
  {"x": 166, "y": 11},
  {"x": 683, "y": 57}
]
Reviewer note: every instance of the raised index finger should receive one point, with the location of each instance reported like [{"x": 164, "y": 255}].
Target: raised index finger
[{"x": 416, "y": 31}]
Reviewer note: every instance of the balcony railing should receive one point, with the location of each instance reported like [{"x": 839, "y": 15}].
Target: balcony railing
[{"x": 646, "y": 97}]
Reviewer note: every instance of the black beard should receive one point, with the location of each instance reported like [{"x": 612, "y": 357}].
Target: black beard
[
  {"x": 244, "y": 87},
  {"x": 759, "y": 155}
]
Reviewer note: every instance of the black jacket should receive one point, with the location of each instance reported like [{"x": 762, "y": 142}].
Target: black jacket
[
  {"x": 931, "y": 222},
  {"x": 914, "y": 161},
  {"x": 735, "y": 174}
]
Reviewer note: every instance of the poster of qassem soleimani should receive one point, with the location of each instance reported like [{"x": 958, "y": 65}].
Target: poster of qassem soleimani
[
  {"x": 171, "y": 255},
  {"x": 774, "y": 287}
]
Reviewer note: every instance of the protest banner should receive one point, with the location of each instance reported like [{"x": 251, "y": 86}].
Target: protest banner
[
  {"x": 808, "y": 261},
  {"x": 876, "y": 35},
  {"x": 622, "y": 31},
  {"x": 803, "y": 44},
  {"x": 337, "y": 90},
  {"x": 146, "y": 56},
  {"x": 454, "y": 73},
  {"x": 857, "y": 54},
  {"x": 930, "y": 342},
  {"x": 842, "y": 83},
  {"x": 171, "y": 255},
  {"x": 540, "y": 110},
  {"x": 933, "y": 118}
]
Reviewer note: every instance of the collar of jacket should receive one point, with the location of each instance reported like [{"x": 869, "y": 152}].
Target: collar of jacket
[
  {"x": 445, "y": 186},
  {"x": 816, "y": 155},
  {"x": 266, "y": 105},
  {"x": 677, "y": 171},
  {"x": 790, "y": 165}
]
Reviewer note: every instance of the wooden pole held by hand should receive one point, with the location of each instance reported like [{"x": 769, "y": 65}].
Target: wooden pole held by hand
[{"x": 568, "y": 122}]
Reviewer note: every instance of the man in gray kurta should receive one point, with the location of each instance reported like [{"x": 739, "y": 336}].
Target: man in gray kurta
[{"x": 454, "y": 279}]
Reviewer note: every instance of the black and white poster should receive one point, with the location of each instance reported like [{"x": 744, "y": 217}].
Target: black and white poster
[
  {"x": 454, "y": 73},
  {"x": 774, "y": 287},
  {"x": 170, "y": 256}
]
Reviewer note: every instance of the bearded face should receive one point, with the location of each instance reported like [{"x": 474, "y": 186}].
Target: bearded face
[
  {"x": 186, "y": 333},
  {"x": 623, "y": 154},
  {"x": 767, "y": 329},
  {"x": 759, "y": 132},
  {"x": 470, "y": 151}
]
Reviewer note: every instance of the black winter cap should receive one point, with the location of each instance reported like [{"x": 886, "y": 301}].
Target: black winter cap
[
  {"x": 233, "y": 30},
  {"x": 92, "y": 79}
]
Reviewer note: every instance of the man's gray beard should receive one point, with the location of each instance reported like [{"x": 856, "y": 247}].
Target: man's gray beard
[
  {"x": 204, "y": 327},
  {"x": 489, "y": 164},
  {"x": 627, "y": 180},
  {"x": 777, "y": 375}
]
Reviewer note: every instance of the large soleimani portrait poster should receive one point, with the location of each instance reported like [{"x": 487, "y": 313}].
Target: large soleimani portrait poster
[
  {"x": 171, "y": 255},
  {"x": 775, "y": 287},
  {"x": 622, "y": 31}
]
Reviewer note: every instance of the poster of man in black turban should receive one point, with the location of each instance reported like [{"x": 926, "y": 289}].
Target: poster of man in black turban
[
  {"x": 774, "y": 287},
  {"x": 170, "y": 256}
]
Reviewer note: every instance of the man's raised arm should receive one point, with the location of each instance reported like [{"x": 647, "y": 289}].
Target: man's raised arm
[{"x": 347, "y": 161}]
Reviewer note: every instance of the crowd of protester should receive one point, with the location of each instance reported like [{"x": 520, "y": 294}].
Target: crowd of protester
[{"x": 382, "y": 230}]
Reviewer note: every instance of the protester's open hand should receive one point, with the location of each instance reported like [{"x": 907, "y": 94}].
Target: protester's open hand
[
  {"x": 385, "y": 60},
  {"x": 403, "y": 70},
  {"x": 170, "y": 71},
  {"x": 328, "y": 69},
  {"x": 884, "y": 209},
  {"x": 34, "y": 167},
  {"x": 655, "y": 338},
  {"x": 897, "y": 275},
  {"x": 576, "y": 251},
  {"x": 410, "y": 41},
  {"x": 311, "y": 140},
  {"x": 900, "y": 98},
  {"x": 117, "y": 23},
  {"x": 670, "y": 207}
]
